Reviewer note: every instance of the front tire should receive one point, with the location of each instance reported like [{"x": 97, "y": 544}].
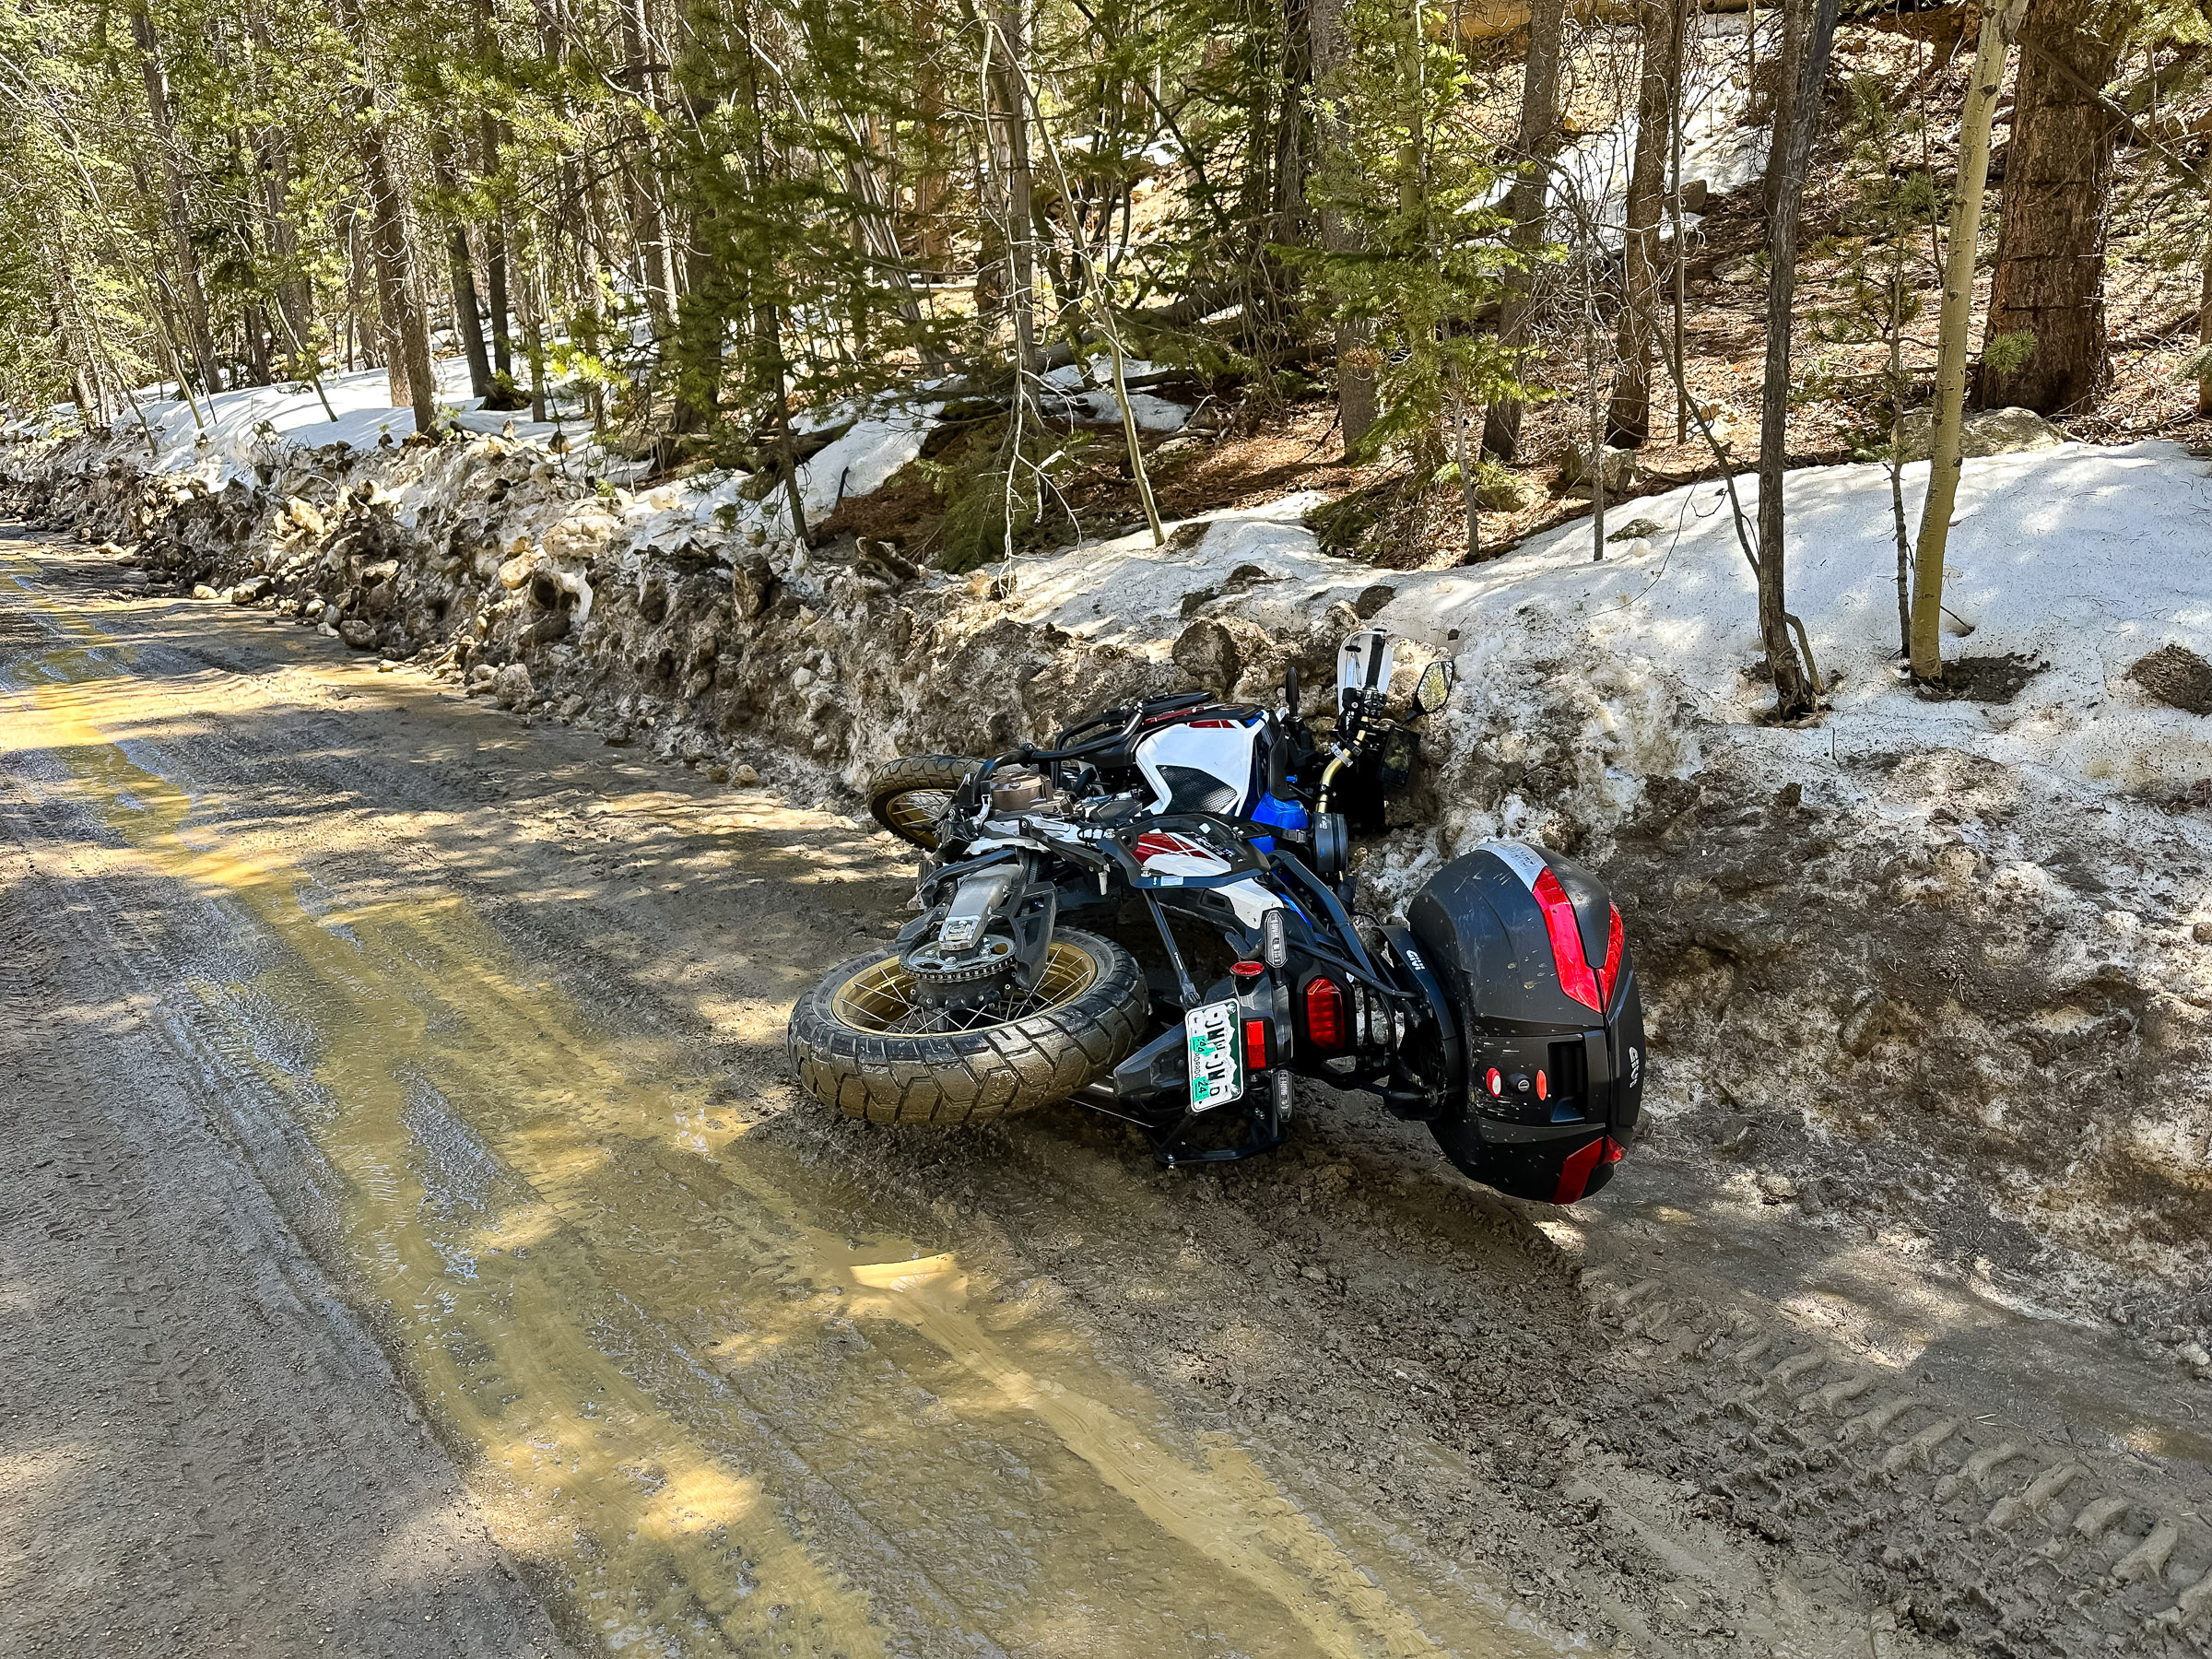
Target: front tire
[
  {"x": 860, "y": 1042},
  {"x": 909, "y": 796}
]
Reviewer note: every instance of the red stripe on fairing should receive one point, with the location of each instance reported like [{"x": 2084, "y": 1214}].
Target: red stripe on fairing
[{"x": 1574, "y": 1174}]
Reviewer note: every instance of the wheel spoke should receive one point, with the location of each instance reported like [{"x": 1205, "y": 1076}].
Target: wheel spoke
[{"x": 881, "y": 997}]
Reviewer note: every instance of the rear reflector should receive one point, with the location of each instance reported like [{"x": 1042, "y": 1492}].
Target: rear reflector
[
  {"x": 1543, "y": 1087},
  {"x": 1581, "y": 1163},
  {"x": 1494, "y": 1083},
  {"x": 1575, "y": 977},
  {"x": 1574, "y": 1174},
  {"x": 1324, "y": 1015},
  {"x": 1255, "y": 1044}
]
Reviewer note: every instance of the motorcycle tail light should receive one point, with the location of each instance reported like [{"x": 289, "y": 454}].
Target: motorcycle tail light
[
  {"x": 1575, "y": 977},
  {"x": 1255, "y": 1044},
  {"x": 1611, "y": 970},
  {"x": 1324, "y": 1015}
]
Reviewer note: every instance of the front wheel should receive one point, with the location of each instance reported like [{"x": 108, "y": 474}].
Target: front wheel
[
  {"x": 862, "y": 1042},
  {"x": 909, "y": 796}
]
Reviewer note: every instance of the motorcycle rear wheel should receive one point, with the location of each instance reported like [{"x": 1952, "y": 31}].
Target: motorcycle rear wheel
[
  {"x": 909, "y": 795},
  {"x": 860, "y": 1042}
]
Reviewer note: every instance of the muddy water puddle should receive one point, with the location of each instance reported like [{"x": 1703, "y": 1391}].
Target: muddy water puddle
[{"x": 699, "y": 1389}]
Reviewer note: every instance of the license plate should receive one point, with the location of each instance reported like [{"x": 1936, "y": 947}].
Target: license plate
[{"x": 1217, "y": 1057}]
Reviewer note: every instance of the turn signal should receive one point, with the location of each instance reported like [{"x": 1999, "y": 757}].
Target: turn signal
[{"x": 1324, "y": 1015}]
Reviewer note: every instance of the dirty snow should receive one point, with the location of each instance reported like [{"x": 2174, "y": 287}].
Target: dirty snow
[{"x": 2084, "y": 558}]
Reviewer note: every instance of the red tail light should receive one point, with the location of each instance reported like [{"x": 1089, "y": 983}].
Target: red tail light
[
  {"x": 1575, "y": 977},
  {"x": 1324, "y": 1015},
  {"x": 1611, "y": 970},
  {"x": 1255, "y": 1044}
]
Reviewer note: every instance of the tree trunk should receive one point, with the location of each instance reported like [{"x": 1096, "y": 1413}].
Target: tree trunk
[
  {"x": 1631, "y": 416},
  {"x": 1789, "y": 63},
  {"x": 1293, "y": 145},
  {"x": 1998, "y": 27},
  {"x": 408, "y": 364},
  {"x": 192, "y": 292},
  {"x": 2058, "y": 170},
  {"x": 1525, "y": 204},
  {"x": 2204, "y": 337},
  {"x": 648, "y": 223},
  {"x": 1010, "y": 111},
  {"x": 295, "y": 293},
  {"x": 491, "y": 134},
  {"x": 468, "y": 327},
  {"x": 1332, "y": 46},
  {"x": 495, "y": 261},
  {"x": 1794, "y": 692}
]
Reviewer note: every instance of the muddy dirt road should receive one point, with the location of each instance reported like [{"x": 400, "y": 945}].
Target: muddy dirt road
[{"x": 411, "y": 1242}]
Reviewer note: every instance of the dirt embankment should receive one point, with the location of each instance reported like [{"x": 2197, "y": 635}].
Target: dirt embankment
[{"x": 1924, "y": 999}]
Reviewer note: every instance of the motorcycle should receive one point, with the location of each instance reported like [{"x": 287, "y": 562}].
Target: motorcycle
[{"x": 1204, "y": 849}]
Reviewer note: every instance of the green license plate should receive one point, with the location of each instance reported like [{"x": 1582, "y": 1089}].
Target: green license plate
[{"x": 1217, "y": 1056}]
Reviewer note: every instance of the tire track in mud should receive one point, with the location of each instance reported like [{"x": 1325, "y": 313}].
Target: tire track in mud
[
  {"x": 165, "y": 1338},
  {"x": 1976, "y": 1530}
]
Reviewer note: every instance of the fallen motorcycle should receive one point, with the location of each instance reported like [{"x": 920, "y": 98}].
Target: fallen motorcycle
[{"x": 1204, "y": 849}]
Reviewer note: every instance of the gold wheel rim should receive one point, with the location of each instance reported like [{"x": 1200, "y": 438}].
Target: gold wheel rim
[
  {"x": 917, "y": 812},
  {"x": 881, "y": 999}
]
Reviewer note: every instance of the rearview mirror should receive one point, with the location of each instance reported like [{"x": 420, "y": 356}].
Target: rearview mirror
[{"x": 1434, "y": 688}]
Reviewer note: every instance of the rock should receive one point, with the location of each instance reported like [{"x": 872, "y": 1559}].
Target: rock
[
  {"x": 1777, "y": 1188},
  {"x": 1636, "y": 528},
  {"x": 2177, "y": 676},
  {"x": 479, "y": 678},
  {"x": 1214, "y": 651},
  {"x": 554, "y": 625},
  {"x": 511, "y": 684},
  {"x": 2202, "y": 933},
  {"x": 752, "y": 585},
  {"x": 719, "y": 774},
  {"x": 383, "y": 570},
  {"x": 1373, "y": 599},
  {"x": 387, "y": 667},
  {"x": 517, "y": 571},
  {"x": 200, "y": 590},
  {"x": 358, "y": 634},
  {"x": 2194, "y": 1354},
  {"x": 1618, "y": 467},
  {"x": 1986, "y": 433},
  {"x": 745, "y": 777},
  {"x": 1739, "y": 271},
  {"x": 304, "y": 514},
  {"x": 252, "y": 591},
  {"x": 1696, "y": 193}
]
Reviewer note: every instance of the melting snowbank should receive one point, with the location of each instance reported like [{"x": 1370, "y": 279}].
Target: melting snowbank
[{"x": 2082, "y": 559}]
